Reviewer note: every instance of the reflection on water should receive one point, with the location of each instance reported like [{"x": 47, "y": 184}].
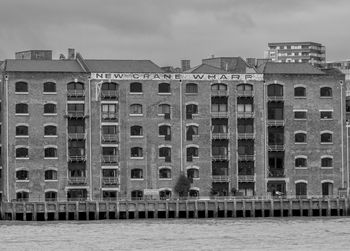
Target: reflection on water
[{"x": 201, "y": 234}]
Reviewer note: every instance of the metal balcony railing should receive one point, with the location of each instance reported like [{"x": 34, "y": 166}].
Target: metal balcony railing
[
  {"x": 245, "y": 114},
  {"x": 246, "y": 93},
  {"x": 275, "y": 98},
  {"x": 246, "y": 157},
  {"x": 77, "y": 180},
  {"x": 246, "y": 178},
  {"x": 76, "y": 114},
  {"x": 77, "y": 158},
  {"x": 110, "y": 181},
  {"x": 219, "y": 114},
  {"x": 76, "y": 136},
  {"x": 220, "y": 157},
  {"x": 275, "y": 122},
  {"x": 220, "y": 93},
  {"x": 109, "y": 116},
  {"x": 276, "y": 173},
  {"x": 220, "y": 178},
  {"x": 220, "y": 135},
  {"x": 109, "y": 94},
  {"x": 246, "y": 135},
  {"x": 75, "y": 93},
  {"x": 276, "y": 147},
  {"x": 108, "y": 159},
  {"x": 110, "y": 138}
]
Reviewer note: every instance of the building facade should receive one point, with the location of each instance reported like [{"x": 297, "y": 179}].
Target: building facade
[
  {"x": 297, "y": 52},
  {"x": 108, "y": 129}
]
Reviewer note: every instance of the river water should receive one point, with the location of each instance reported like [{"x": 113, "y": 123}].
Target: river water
[{"x": 202, "y": 234}]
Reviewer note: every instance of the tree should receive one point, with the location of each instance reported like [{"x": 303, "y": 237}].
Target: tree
[{"x": 183, "y": 186}]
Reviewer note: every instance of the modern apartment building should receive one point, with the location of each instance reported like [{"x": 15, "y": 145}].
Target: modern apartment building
[
  {"x": 297, "y": 52},
  {"x": 83, "y": 129}
]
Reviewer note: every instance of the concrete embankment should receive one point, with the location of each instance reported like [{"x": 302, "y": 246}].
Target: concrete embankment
[{"x": 232, "y": 208}]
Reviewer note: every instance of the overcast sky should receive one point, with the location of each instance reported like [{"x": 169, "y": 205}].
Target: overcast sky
[{"x": 167, "y": 31}]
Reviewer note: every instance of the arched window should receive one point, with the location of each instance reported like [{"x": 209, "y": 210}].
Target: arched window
[
  {"x": 218, "y": 87},
  {"x": 22, "y": 152},
  {"x": 136, "y": 195},
  {"x": 165, "y": 194},
  {"x": 300, "y": 137},
  {"x": 327, "y": 188},
  {"x": 191, "y": 88},
  {"x": 326, "y": 162},
  {"x": 136, "y": 130},
  {"x": 75, "y": 86},
  {"x": 164, "y": 88},
  {"x": 190, "y": 110},
  {"x": 192, "y": 173},
  {"x": 301, "y": 189},
  {"x": 326, "y": 92},
  {"x": 191, "y": 131},
  {"x": 301, "y": 162},
  {"x": 165, "y": 152},
  {"x": 50, "y": 175},
  {"x": 50, "y": 196},
  {"x": 50, "y": 108},
  {"x": 137, "y": 173},
  {"x": 191, "y": 152},
  {"x": 49, "y": 87},
  {"x": 136, "y": 109},
  {"x": 244, "y": 90},
  {"x": 50, "y": 152},
  {"x": 164, "y": 173},
  {"x": 22, "y": 175},
  {"x": 164, "y": 130},
  {"x": 326, "y": 137},
  {"x": 164, "y": 109},
  {"x": 109, "y": 90},
  {"x": 194, "y": 193},
  {"x": 299, "y": 91},
  {"x": 274, "y": 90},
  {"x": 21, "y": 108},
  {"x": 136, "y": 152},
  {"x": 22, "y": 130},
  {"x": 22, "y": 196},
  {"x": 21, "y": 87},
  {"x": 50, "y": 130},
  {"x": 135, "y": 87}
]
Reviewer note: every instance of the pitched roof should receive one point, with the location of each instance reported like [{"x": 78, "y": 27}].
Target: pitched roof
[
  {"x": 126, "y": 66},
  {"x": 204, "y": 68},
  {"x": 26, "y": 65},
  {"x": 291, "y": 68}
]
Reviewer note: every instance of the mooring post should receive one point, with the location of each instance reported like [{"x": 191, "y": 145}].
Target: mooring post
[
  {"x": 206, "y": 209},
  {"x": 234, "y": 211},
  {"x": 166, "y": 209}
]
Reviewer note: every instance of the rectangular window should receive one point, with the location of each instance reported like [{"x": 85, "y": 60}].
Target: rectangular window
[
  {"x": 299, "y": 114},
  {"x": 326, "y": 114}
]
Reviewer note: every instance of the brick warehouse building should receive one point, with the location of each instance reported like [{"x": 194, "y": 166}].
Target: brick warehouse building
[{"x": 81, "y": 129}]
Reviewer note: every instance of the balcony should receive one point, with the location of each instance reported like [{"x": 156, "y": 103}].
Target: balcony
[
  {"x": 109, "y": 94},
  {"x": 77, "y": 181},
  {"x": 246, "y": 93},
  {"x": 246, "y": 157},
  {"x": 275, "y": 98},
  {"x": 76, "y": 114},
  {"x": 276, "y": 147},
  {"x": 220, "y": 135},
  {"x": 109, "y": 116},
  {"x": 276, "y": 173},
  {"x": 246, "y": 178},
  {"x": 219, "y": 93},
  {"x": 275, "y": 122},
  {"x": 110, "y": 159},
  {"x": 75, "y": 93},
  {"x": 76, "y": 136},
  {"x": 220, "y": 178},
  {"x": 110, "y": 181},
  {"x": 219, "y": 114},
  {"x": 250, "y": 135},
  {"x": 222, "y": 157},
  {"x": 76, "y": 158},
  {"x": 245, "y": 114},
  {"x": 109, "y": 138}
]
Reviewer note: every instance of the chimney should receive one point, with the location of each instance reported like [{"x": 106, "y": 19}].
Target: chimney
[
  {"x": 71, "y": 53},
  {"x": 185, "y": 64}
]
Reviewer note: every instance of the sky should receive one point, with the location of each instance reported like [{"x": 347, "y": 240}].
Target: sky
[{"x": 166, "y": 31}]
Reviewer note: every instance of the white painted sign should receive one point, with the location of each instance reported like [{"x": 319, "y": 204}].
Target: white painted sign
[{"x": 176, "y": 76}]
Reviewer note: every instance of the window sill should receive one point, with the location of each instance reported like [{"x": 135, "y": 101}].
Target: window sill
[
  {"x": 24, "y": 181},
  {"x": 326, "y": 167},
  {"x": 136, "y": 157},
  {"x": 136, "y": 93},
  {"x": 136, "y": 136},
  {"x": 49, "y": 93},
  {"x": 300, "y": 119},
  {"x": 326, "y": 119},
  {"x": 164, "y": 93},
  {"x": 50, "y": 136},
  {"x": 300, "y": 143},
  {"x": 22, "y": 114},
  {"x": 51, "y": 180},
  {"x": 50, "y": 157},
  {"x": 301, "y": 168},
  {"x": 300, "y": 97},
  {"x": 22, "y": 158},
  {"x": 137, "y": 179},
  {"x": 326, "y": 143},
  {"x": 165, "y": 179},
  {"x": 50, "y": 114},
  {"x": 191, "y": 93},
  {"x": 326, "y": 97},
  {"x": 21, "y": 93},
  {"x": 136, "y": 115},
  {"x": 22, "y": 136}
]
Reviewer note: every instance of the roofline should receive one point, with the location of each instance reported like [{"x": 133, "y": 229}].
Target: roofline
[{"x": 306, "y": 42}]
